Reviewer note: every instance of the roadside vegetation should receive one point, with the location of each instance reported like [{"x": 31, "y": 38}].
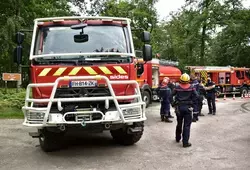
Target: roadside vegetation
[{"x": 11, "y": 103}]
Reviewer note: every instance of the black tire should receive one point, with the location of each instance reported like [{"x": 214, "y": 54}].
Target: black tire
[
  {"x": 121, "y": 136},
  {"x": 146, "y": 98},
  {"x": 244, "y": 91},
  {"x": 50, "y": 141}
]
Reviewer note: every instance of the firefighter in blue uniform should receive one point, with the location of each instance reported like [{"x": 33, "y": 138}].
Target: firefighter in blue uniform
[
  {"x": 195, "y": 83},
  {"x": 165, "y": 98},
  {"x": 211, "y": 91},
  {"x": 202, "y": 93},
  {"x": 185, "y": 102}
]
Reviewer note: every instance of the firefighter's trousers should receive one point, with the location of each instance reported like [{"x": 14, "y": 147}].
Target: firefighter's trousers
[
  {"x": 211, "y": 103},
  {"x": 200, "y": 105},
  {"x": 183, "y": 114},
  {"x": 165, "y": 108}
]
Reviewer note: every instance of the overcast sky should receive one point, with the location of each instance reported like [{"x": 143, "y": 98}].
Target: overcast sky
[{"x": 164, "y": 7}]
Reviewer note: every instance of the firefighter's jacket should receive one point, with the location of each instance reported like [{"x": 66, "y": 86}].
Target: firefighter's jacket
[
  {"x": 212, "y": 91},
  {"x": 201, "y": 92},
  {"x": 186, "y": 95},
  {"x": 165, "y": 94},
  {"x": 195, "y": 83}
]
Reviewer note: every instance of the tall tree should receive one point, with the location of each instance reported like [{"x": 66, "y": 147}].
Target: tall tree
[
  {"x": 19, "y": 14},
  {"x": 141, "y": 12}
]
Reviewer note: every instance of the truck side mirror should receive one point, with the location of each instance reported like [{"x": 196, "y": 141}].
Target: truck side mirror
[
  {"x": 18, "y": 54},
  {"x": 19, "y": 38},
  {"x": 145, "y": 36},
  {"x": 147, "y": 52}
]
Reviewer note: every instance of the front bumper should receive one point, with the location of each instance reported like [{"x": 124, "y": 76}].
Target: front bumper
[{"x": 122, "y": 113}]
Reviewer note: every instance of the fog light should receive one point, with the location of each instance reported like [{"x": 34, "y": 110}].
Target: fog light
[
  {"x": 40, "y": 115},
  {"x": 35, "y": 116},
  {"x": 132, "y": 111},
  {"x": 112, "y": 115}
]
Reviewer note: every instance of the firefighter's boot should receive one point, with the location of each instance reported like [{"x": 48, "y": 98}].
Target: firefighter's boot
[
  {"x": 200, "y": 114},
  {"x": 168, "y": 120},
  {"x": 162, "y": 118},
  {"x": 185, "y": 145},
  {"x": 170, "y": 116},
  {"x": 195, "y": 118}
]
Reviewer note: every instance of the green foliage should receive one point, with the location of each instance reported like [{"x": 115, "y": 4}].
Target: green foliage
[
  {"x": 19, "y": 14},
  {"x": 12, "y": 99},
  {"x": 191, "y": 36},
  {"x": 142, "y": 13},
  {"x": 232, "y": 45},
  {"x": 11, "y": 103}
]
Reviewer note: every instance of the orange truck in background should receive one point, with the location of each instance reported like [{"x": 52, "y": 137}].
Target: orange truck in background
[
  {"x": 228, "y": 80},
  {"x": 84, "y": 77}
]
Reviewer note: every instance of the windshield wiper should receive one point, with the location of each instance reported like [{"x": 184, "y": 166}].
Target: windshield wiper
[{"x": 55, "y": 61}]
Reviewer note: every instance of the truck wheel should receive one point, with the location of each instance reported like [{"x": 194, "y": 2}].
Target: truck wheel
[
  {"x": 244, "y": 91},
  {"x": 122, "y": 136},
  {"x": 146, "y": 98},
  {"x": 50, "y": 141}
]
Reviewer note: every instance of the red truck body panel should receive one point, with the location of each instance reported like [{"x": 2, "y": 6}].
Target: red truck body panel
[
  {"x": 49, "y": 74},
  {"x": 173, "y": 73}
]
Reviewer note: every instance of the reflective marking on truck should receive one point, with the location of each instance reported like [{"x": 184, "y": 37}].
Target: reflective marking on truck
[
  {"x": 75, "y": 71},
  {"x": 59, "y": 71},
  {"x": 45, "y": 72},
  {"x": 204, "y": 76},
  {"x": 105, "y": 70},
  {"x": 120, "y": 70},
  {"x": 90, "y": 70}
]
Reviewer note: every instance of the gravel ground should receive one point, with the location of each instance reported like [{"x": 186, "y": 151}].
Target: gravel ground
[{"x": 219, "y": 142}]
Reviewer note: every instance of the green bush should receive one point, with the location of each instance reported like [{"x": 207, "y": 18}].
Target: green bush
[{"x": 11, "y": 98}]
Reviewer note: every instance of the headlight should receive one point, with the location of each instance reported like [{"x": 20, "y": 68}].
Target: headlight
[
  {"x": 132, "y": 111},
  {"x": 35, "y": 116}
]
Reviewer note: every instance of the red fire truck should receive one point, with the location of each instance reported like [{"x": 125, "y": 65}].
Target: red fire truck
[
  {"x": 83, "y": 73},
  {"x": 150, "y": 75},
  {"x": 228, "y": 80}
]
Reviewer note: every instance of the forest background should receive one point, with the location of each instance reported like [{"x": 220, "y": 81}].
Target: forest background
[{"x": 201, "y": 32}]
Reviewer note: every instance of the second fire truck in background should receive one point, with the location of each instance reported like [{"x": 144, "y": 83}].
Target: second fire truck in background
[{"x": 228, "y": 80}]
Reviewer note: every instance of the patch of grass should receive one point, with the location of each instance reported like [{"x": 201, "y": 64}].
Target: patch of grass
[{"x": 11, "y": 113}]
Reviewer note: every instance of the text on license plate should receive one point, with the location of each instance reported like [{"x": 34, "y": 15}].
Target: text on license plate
[{"x": 85, "y": 83}]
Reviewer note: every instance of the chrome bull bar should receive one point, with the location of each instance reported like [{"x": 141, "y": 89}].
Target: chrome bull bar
[{"x": 122, "y": 110}]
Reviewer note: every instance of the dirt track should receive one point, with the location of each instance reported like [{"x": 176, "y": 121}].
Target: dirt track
[{"x": 219, "y": 142}]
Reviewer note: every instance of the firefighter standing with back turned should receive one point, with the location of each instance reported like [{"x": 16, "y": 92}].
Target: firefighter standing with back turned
[
  {"x": 165, "y": 98},
  {"x": 195, "y": 84},
  {"x": 185, "y": 103},
  {"x": 201, "y": 94}
]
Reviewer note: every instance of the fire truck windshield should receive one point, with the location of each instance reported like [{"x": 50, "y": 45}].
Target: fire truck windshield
[{"x": 101, "y": 38}]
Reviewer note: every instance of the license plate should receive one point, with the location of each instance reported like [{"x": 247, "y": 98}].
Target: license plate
[{"x": 86, "y": 83}]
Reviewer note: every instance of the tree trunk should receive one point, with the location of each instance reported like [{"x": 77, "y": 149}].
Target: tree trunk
[
  {"x": 204, "y": 29},
  {"x": 203, "y": 39}
]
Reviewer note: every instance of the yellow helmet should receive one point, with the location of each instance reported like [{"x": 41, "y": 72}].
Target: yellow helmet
[{"x": 184, "y": 78}]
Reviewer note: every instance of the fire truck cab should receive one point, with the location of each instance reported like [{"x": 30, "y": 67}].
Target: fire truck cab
[
  {"x": 83, "y": 74},
  {"x": 228, "y": 80}
]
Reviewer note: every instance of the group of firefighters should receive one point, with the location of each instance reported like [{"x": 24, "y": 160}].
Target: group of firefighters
[{"x": 187, "y": 99}]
